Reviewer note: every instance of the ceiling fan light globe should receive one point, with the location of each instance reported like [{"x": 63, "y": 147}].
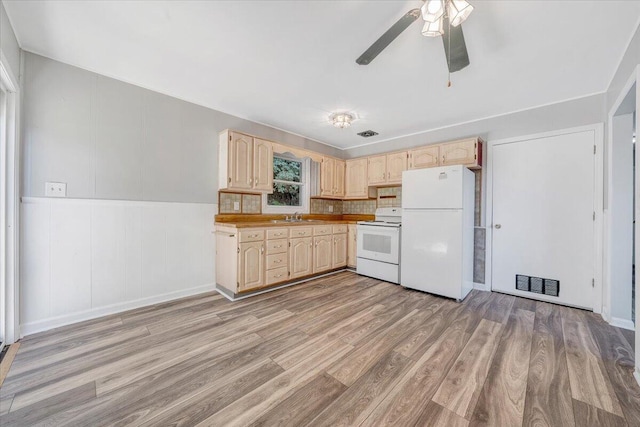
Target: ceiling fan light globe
[
  {"x": 432, "y": 10},
  {"x": 433, "y": 29},
  {"x": 459, "y": 11}
]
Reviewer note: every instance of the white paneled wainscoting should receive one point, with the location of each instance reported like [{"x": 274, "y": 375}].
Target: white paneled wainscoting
[{"x": 85, "y": 258}]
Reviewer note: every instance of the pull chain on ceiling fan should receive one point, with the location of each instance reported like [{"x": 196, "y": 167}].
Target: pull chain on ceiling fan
[{"x": 442, "y": 18}]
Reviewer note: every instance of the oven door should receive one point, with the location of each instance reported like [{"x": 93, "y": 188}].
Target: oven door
[{"x": 379, "y": 243}]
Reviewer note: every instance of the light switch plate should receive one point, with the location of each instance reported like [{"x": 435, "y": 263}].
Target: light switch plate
[
  {"x": 55, "y": 189},
  {"x": 236, "y": 206}
]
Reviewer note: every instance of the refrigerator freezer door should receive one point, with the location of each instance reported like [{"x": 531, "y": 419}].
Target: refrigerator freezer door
[
  {"x": 433, "y": 188},
  {"x": 432, "y": 252}
]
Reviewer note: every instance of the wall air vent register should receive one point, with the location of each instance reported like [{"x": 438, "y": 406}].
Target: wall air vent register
[
  {"x": 367, "y": 133},
  {"x": 538, "y": 285}
]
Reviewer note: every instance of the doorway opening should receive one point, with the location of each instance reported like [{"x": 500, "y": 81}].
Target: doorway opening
[{"x": 621, "y": 210}]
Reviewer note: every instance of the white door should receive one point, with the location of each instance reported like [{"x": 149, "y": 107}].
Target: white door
[{"x": 543, "y": 210}]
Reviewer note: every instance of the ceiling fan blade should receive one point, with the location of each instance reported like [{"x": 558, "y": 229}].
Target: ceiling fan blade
[
  {"x": 386, "y": 39},
  {"x": 453, "y": 37}
]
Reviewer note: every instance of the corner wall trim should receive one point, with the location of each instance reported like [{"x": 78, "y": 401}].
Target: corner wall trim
[
  {"x": 482, "y": 287},
  {"x": 622, "y": 323},
  {"x": 55, "y": 322}
]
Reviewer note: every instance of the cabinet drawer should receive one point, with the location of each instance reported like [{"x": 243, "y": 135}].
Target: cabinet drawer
[
  {"x": 277, "y": 233},
  {"x": 277, "y": 261},
  {"x": 276, "y": 246},
  {"x": 251, "y": 235},
  {"x": 321, "y": 230},
  {"x": 342, "y": 228},
  {"x": 277, "y": 275},
  {"x": 300, "y": 232}
]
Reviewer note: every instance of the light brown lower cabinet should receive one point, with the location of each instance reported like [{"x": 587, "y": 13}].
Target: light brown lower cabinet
[
  {"x": 252, "y": 258},
  {"x": 251, "y": 265},
  {"x": 352, "y": 244},
  {"x": 339, "y": 258},
  {"x": 322, "y": 251},
  {"x": 301, "y": 257}
]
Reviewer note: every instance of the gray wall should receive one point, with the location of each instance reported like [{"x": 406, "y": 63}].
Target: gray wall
[
  {"x": 628, "y": 64},
  {"x": 9, "y": 43},
  {"x": 111, "y": 140},
  {"x": 578, "y": 112}
]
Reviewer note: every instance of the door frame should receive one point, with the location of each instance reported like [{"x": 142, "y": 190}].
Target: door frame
[
  {"x": 10, "y": 191},
  {"x": 598, "y": 129},
  {"x": 606, "y": 309}
]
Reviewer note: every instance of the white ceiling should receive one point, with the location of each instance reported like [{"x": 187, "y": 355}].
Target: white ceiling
[{"x": 289, "y": 64}]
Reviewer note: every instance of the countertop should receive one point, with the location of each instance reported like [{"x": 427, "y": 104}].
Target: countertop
[{"x": 255, "y": 221}]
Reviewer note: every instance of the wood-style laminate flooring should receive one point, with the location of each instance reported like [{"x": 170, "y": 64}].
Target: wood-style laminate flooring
[{"x": 340, "y": 350}]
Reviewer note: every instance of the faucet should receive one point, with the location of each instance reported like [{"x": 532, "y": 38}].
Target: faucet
[{"x": 297, "y": 216}]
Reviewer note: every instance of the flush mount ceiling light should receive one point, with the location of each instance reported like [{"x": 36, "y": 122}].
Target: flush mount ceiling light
[{"x": 341, "y": 120}]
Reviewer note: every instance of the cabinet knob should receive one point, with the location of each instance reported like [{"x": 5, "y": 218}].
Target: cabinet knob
[{"x": 498, "y": 226}]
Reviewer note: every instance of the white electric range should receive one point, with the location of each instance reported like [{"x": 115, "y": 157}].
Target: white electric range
[{"x": 378, "y": 248}]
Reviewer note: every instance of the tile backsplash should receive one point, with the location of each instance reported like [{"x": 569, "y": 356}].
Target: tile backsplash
[
  {"x": 324, "y": 206},
  {"x": 247, "y": 203},
  {"x": 363, "y": 207},
  {"x": 390, "y": 197}
]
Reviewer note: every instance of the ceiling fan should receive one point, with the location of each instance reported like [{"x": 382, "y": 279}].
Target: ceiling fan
[{"x": 442, "y": 18}]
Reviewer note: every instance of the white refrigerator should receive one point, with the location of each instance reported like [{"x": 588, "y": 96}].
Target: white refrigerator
[{"x": 437, "y": 230}]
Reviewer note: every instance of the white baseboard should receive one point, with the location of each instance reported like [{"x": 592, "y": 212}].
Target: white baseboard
[
  {"x": 481, "y": 287},
  {"x": 622, "y": 323},
  {"x": 55, "y": 322}
]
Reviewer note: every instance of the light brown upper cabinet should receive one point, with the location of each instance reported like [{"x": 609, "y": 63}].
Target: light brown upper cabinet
[
  {"x": 466, "y": 152},
  {"x": 262, "y": 165},
  {"x": 387, "y": 168},
  {"x": 425, "y": 157},
  {"x": 339, "y": 178},
  {"x": 396, "y": 164},
  {"x": 246, "y": 163},
  {"x": 332, "y": 178},
  {"x": 377, "y": 170},
  {"x": 356, "y": 179}
]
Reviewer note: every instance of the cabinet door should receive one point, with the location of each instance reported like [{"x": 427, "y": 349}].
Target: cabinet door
[
  {"x": 322, "y": 253},
  {"x": 352, "y": 244},
  {"x": 339, "y": 257},
  {"x": 262, "y": 165},
  {"x": 301, "y": 257},
  {"x": 459, "y": 153},
  {"x": 425, "y": 157},
  {"x": 251, "y": 266},
  {"x": 377, "y": 170},
  {"x": 339, "y": 178},
  {"x": 240, "y": 168},
  {"x": 356, "y": 179},
  {"x": 327, "y": 172},
  {"x": 396, "y": 164}
]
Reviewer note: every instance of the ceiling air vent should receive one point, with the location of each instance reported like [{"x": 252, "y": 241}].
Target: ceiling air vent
[{"x": 367, "y": 133}]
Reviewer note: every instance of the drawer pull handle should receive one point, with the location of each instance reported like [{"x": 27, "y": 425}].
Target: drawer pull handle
[
  {"x": 277, "y": 276},
  {"x": 278, "y": 261},
  {"x": 253, "y": 235},
  {"x": 277, "y": 247},
  {"x": 301, "y": 233}
]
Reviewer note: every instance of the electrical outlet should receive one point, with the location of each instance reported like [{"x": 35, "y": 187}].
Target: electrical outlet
[
  {"x": 330, "y": 208},
  {"x": 236, "y": 206},
  {"x": 55, "y": 189}
]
